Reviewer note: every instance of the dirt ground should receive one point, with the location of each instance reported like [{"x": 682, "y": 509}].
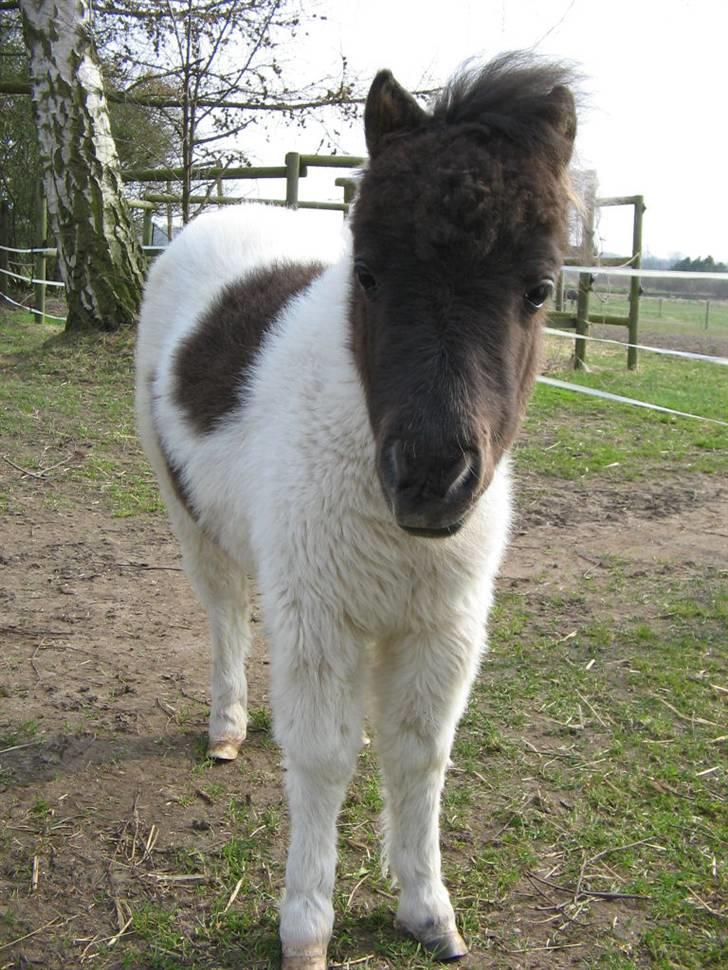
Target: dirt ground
[{"x": 103, "y": 686}]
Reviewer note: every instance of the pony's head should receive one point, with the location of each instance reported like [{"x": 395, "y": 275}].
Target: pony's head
[{"x": 458, "y": 231}]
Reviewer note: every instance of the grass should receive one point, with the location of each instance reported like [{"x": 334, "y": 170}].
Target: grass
[
  {"x": 69, "y": 399},
  {"x": 598, "y": 759},
  {"x": 586, "y": 806},
  {"x": 569, "y": 436},
  {"x": 671, "y": 315}
]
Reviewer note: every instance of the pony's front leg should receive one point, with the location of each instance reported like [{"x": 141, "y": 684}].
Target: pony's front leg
[
  {"x": 317, "y": 715},
  {"x": 421, "y": 685}
]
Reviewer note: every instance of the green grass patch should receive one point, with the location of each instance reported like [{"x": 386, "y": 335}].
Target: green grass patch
[
  {"x": 571, "y": 436},
  {"x": 67, "y": 401},
  {"x": 666, "y": 314}
]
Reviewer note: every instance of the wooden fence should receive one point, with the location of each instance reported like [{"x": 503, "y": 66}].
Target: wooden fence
[{"x": 296, "y": 167}]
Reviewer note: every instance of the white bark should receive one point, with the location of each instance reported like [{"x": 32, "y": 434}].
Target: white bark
[{"x": 100, "y": 258}]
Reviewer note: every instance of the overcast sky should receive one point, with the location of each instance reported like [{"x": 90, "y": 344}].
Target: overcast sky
[{"x": 655, "y": 83}]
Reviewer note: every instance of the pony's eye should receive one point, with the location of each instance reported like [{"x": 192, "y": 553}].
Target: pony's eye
[
  {"x": 537, "y": 295},
  {"x": 365, "y": 278}
]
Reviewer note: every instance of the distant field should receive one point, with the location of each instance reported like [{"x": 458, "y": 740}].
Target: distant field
[{"x": 669, "y": 314}]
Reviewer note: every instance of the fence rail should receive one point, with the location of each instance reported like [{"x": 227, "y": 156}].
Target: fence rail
[{"x": 296, "y": 167}]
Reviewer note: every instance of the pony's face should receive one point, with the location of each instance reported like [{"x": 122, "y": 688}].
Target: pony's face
[{"x": 457, "y": 244}]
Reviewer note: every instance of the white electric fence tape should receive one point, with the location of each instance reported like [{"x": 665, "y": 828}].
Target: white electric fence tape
[
  {"x": 608, "y": 396},
  {"x": 658, "y": 274},
  {"x": 30, "y": 309},
  {"x": 619, "y": 343},
  {"x": 29, "y": 279},
  {"x": 551, "y": 381},
  {"x": 48, "y": 252}
]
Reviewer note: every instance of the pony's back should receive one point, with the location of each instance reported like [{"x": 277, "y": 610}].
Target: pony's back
[{"x": 214, "y": 250}]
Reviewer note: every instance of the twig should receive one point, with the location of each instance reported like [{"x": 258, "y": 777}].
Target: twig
[
  {"x": 382, "y": 892},
  {"x": 234, "y": 894},
  {"x": 351, "y": 894},
  {"x": 556, "y": 946},
  {"x": 183, "y": 877},
  {"x": 18, "y": 631},
  {"x": 28, "y": 935},
  {"x": 587, "y": 892},
  {"x": 49, "y": 468},
  {"x": 32, "y": 660},
  {"x": 691, "y": 719},
  {"x": 150, "y": 843},
  {"x": 191, "y": 697},
  {"x": 353, "y": 963},
  {"x": 109, "y": 940},
  {"x": 592, "y": 709},
  {"x": 704, "y": 905},
  {"x": 17, "y": 747},
  {"x": 146, "y": 565},
  {"x": 115, "y": 939},
  {"x": 25, "y": 471},
  {"x": 121, "y": 916}
]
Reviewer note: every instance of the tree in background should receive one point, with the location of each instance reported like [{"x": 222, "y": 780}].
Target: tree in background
[
  {"x": 20, "y": 168},
  {"x": 703, "y": 264},
  {"x": 221, "y": 62},
  {"x": 100, "y": 258},
  {"x": 207, "y": 68}
]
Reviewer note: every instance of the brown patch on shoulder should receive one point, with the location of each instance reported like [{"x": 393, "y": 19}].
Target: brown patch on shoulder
[{"x": 213, "y": 361}]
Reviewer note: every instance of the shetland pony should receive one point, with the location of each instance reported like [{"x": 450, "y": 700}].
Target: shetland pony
[{"x": 335, "y": 418}]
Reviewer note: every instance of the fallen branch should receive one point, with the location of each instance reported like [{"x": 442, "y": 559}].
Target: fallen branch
[
  {"x": 690, "y": 718},
  {"x": 585, "y": 892},
  {"x": 25, "y": 471}
]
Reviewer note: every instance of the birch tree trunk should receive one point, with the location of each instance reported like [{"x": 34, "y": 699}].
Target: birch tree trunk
[{"x": 99, "y": 256}]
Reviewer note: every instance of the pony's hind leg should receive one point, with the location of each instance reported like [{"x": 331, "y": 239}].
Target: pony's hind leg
[
  {"x": 222, "y": 587},
  {"x": 420, "y": 686}
]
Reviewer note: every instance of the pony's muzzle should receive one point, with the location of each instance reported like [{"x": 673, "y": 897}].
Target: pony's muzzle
[{"x": 430, "y": 493}]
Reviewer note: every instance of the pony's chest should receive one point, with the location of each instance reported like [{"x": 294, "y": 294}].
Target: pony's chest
[{"x": 386, "y": 581}]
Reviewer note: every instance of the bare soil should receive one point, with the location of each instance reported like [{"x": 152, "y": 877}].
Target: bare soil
[{"x": 103, "y": 687}]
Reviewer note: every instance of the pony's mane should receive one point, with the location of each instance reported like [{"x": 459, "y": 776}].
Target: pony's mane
[{"x": 509, "y": 95}]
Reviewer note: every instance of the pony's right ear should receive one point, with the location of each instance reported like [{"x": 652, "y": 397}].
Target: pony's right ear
[
  {"x": 389, "y": 108},
  {"x": 562, "y": 115}
]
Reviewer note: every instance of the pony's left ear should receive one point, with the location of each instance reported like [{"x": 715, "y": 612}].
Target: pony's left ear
[
  {"x": 562, "y": 115},
  {"x": 389, "y": 108}
]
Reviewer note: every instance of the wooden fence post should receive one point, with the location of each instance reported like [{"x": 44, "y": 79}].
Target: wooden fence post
[
  {"x": 634, "y": 289},
  {"x": 293, "y": 169},
  {"x": 587, "y": 259},
  {"x": 40, "y": 241},
  {"x": 169, "y": 213},
  {"x": 4, "y": 232},
  {"x": 582, "y": 319},
  {"x": 147, "y": 228}
]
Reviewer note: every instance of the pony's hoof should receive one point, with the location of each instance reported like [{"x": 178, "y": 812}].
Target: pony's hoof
[
  {"x": 449, "y": 946},
  {"x": 223, "y": 750},
  {"x": 314, "y": 960}
]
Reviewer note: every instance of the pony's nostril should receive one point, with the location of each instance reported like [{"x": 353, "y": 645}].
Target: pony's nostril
[{"x": 463, "y": 475}]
